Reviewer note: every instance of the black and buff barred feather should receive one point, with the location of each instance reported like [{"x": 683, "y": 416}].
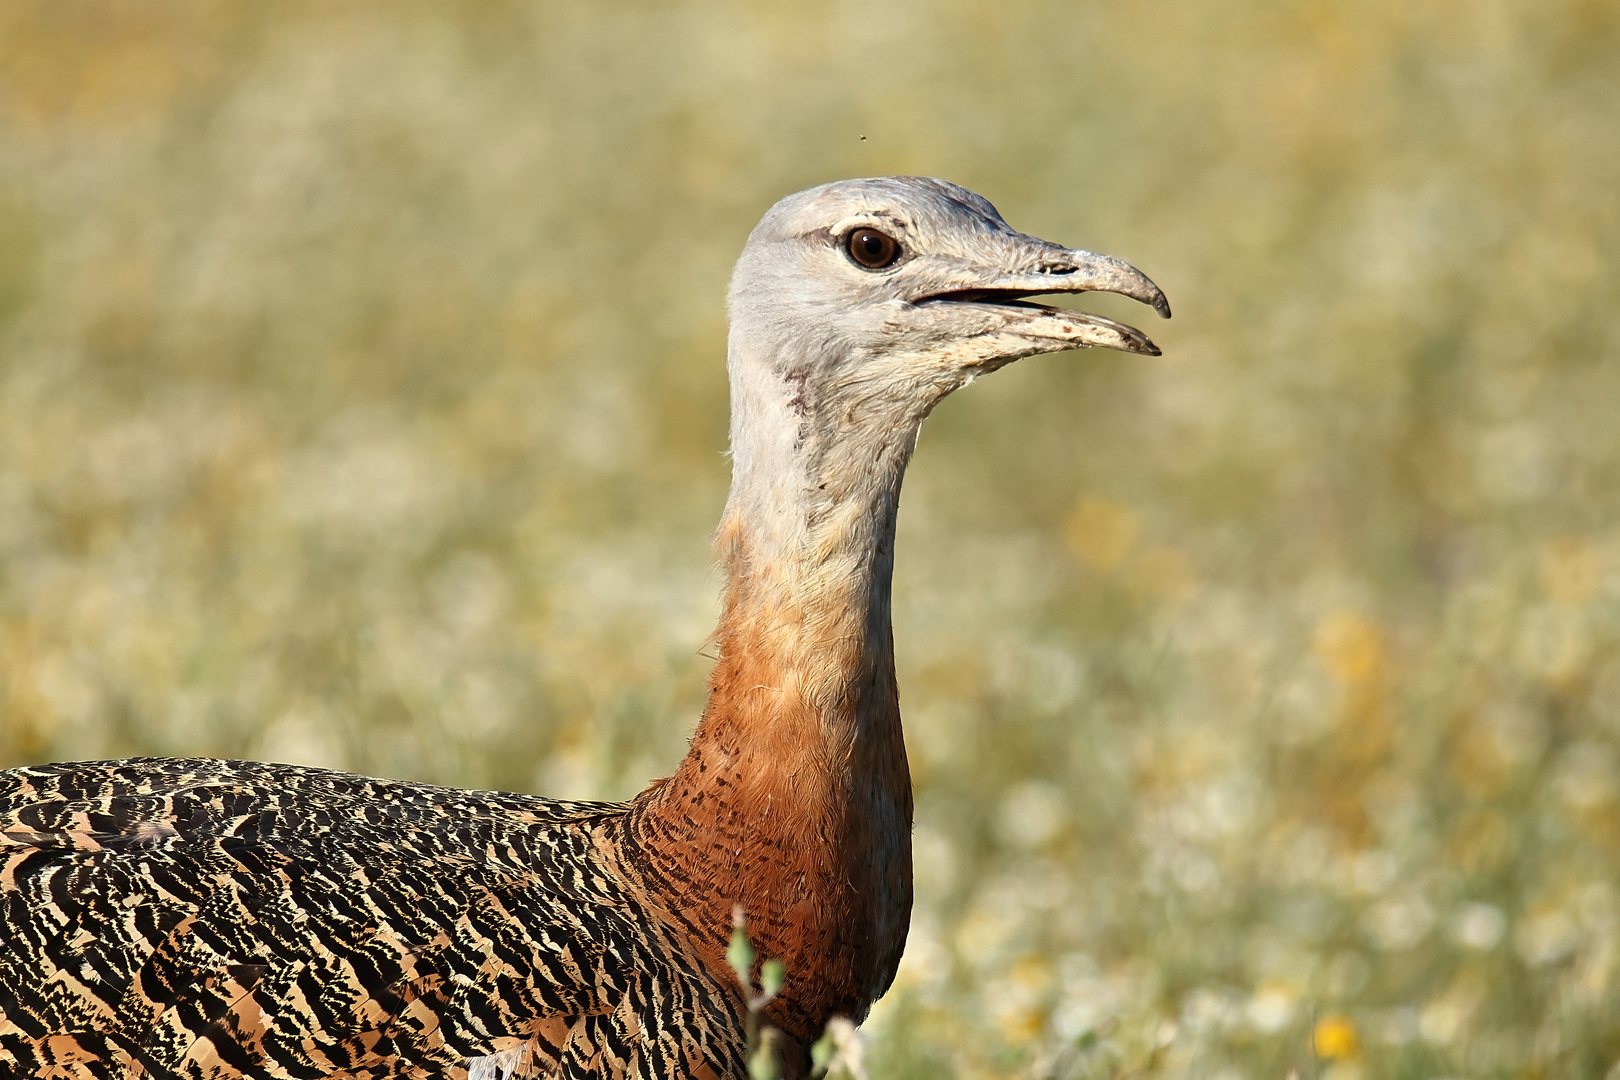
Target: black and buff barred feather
[
  {"x": 212, "y": 919},
  {"x": 205, "y": 918}
]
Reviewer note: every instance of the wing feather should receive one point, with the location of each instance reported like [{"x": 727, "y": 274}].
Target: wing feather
[{"x": 209, "y": 918}]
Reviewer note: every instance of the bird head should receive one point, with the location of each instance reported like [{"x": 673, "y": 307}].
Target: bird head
[
  {"x": 857, "y": 306},
  {"x": 902, "y": 289}
]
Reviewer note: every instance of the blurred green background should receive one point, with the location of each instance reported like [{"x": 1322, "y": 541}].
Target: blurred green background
[{"x": 362, "y": 404}]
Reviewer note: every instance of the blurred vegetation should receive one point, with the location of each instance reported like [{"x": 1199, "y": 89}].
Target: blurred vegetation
[{"x": 362, "y": 404}]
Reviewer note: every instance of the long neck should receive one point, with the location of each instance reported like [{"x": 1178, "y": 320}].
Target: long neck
[{"x": 794, "y": 801}]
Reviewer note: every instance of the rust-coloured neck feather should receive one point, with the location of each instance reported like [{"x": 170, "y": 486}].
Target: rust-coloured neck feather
[{"x": 795, "y": 800}]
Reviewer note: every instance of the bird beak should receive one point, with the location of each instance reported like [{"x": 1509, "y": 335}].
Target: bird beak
[{"x": 1041, "y": 268}]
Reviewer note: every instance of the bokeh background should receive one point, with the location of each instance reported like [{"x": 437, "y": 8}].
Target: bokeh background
[{"x": 362, "y": 404}]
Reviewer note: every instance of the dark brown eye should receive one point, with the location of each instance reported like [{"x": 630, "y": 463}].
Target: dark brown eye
[{"x": 872, "y": 249}]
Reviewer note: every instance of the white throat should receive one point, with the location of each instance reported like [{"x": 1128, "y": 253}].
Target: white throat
[{"x": 816, "y": 476}]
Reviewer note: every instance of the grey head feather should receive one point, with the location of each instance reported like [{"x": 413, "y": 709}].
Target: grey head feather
[{"x": 834, "y": 364}]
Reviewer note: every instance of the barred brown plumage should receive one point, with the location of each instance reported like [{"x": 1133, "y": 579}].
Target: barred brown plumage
[
  {"x": 206, "y": 918},
  {"x": 286, "y": 921}
]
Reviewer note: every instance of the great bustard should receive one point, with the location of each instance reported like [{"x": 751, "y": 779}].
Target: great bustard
[{"x": 216, "y": 918}]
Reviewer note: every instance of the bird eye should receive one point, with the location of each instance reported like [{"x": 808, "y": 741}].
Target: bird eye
[{"x": 872, "y": 249}]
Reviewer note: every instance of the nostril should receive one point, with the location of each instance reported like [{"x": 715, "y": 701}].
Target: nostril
[{"x": 1055, "y": 268}]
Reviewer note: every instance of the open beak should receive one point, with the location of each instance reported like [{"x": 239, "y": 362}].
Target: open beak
[{"x": 1043, "y": 269}]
